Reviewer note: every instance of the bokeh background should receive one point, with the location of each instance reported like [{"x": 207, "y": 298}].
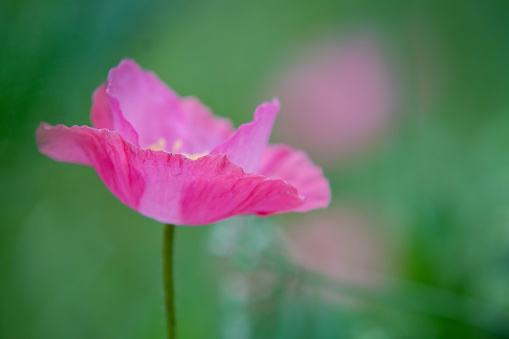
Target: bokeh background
[{"x": 404, "y": 104}]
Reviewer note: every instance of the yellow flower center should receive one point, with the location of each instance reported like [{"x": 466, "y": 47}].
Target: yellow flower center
[{"x": 177, "y": 145}]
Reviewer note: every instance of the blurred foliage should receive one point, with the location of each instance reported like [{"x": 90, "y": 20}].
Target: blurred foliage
[{"x": 75, "y": 262}]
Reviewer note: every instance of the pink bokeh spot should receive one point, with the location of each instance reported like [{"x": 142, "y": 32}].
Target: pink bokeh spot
[
  {"x": 339, "y": 96},
  {"x": 341, "y": 244},
  {"x": 171, "y": 159}
]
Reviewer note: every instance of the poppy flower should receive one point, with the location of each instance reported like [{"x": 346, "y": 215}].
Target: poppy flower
[
  {"x": 349, "y": 86},
  {"x": 171, "y": 159}
]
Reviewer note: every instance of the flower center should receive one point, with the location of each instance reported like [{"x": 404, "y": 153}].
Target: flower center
[{"x": 177, "y": 145}]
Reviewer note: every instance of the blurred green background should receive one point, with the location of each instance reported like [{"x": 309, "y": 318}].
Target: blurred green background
[{"x": 76, "y": 263}]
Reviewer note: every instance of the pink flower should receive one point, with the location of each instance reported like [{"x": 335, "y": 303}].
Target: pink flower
[
  {"x": 341, "y": 244},
  {"x": 170, "y": 159},
  {"x": 340, "y": 96}
]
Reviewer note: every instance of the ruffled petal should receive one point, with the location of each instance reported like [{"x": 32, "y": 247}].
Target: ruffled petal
[
  {"x": 217, "y": 189},
  {"x": 61, "y": 143},
  {"x": 168, "y": 187},
  {"x": 294, "y": 166},
  {"x": 157, "y": 113},
  {"x": 106, "y": 113},
  {"x": 106, "y": 151},
  {"x": 101, "y": 114},
  {"x": 204, "y": 130},
  {"x": 247, "y": 146}
]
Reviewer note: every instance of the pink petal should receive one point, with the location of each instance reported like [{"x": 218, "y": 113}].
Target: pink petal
[
  {"x": 247, "y": 146},
  {"x": 70, "y": 150},
  {"x": 168, "y": 187},
  {"x": 204, "y": 130},
  {"x": 106, "y": 151},
  {"x": 156, "y": 112},
  {"x": 106, "y": 113},
  {"x": 294, "y": 166},
  {"x": 101, "y": 115}
]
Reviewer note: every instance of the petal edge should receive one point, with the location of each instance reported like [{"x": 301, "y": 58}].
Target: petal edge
[{"x": 281, "y": 161}]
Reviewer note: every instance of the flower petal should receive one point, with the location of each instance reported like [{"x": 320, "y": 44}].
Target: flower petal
[
  {"x": 204, "y": 130},
  {"x": 247, "y": 146},
  {"x": 106, "y": 151},
  {"x": 217, "y": 189},
  {"x": 59, "y": 143},
  {"x": 106, "y": 113},
  {"x": 168, "y": 187},
  {"x": 294, "y": 166},
  {"x": 101, "y": 114},
  {"x": 156, "y": 112}
]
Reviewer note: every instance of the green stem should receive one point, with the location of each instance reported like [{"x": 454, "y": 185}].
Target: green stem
[{"x": 168, "y": 279}]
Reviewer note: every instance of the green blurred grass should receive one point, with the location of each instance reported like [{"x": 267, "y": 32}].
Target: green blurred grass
[{"x": 75, "y": 262}]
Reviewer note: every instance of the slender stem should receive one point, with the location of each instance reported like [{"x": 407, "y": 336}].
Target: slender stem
[{"x": 168, "y": 279}]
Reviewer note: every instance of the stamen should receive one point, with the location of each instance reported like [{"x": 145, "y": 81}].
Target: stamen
[
  {"x": 176, "y": 146},
  {"x": 195, "y": 156},
  {"x": 160, "y": 146}
]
